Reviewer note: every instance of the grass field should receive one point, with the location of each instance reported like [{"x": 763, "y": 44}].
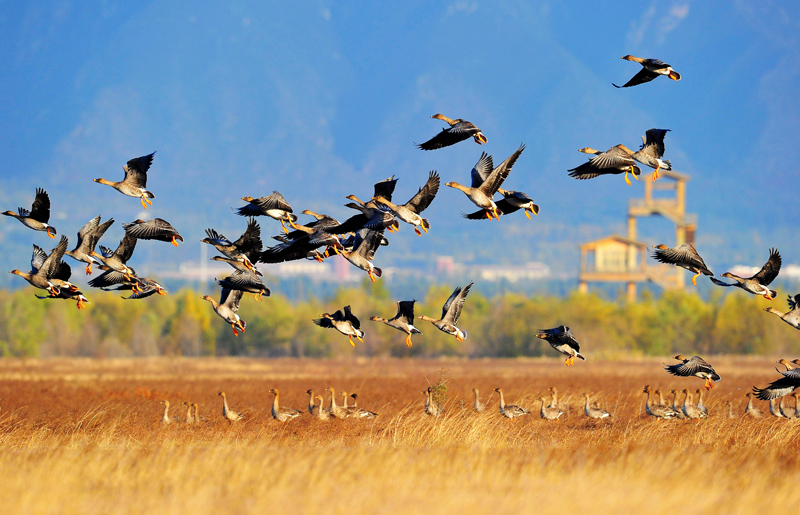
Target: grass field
[{"x": 83, "y": 436}]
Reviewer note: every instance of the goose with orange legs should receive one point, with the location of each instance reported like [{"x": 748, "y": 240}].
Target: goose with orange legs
[
  {"x": 684, "y": 256},
  {"x": 346, "y": 323},
  {"x": 44, "y": 268},
  {"x": 451, "y": 311},
  {"x": 458, "y": 131},
  {"x": 614, "y": 161},
  {"x": 88, "y": 237},
  {"x": 38, "y": 216},
  {"x": 409, "y": 212},
  {"x": 227, "y": 307},
  {"x": 651, "y": 68},
  {"x": 135, "y": 182},
  {"x": 273, "y": 206},
  {"x": 246, "y": 281},
  {"x": 403, "y": 320},
  {"x": 757, "y": 284},
  {"x": 365, "y": 245},
  {"x": 248, "y": 245},
  {"x": 652, "y": 151},
  {"x": 118, "y": 259},
  {"x": 155, "y": 229},
  {"x": 485, "y": 185},
  {"x": 695, "y": 366},
  {"x": 562, "y": 340}
]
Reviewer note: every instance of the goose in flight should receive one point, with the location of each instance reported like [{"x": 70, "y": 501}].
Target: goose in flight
[
  {"x": 135, "y": 182},
  {"x": 459, "y": 130},
  {"x": 38, "y": 216},
  {"x": 684, "y": 256},
  {"x": 451, "y": 311},
  {"x": 757, "y": 284},
  {"x": 651, "y": 68}
]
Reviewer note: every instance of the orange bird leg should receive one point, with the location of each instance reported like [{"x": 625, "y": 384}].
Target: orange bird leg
[
  {"x": 768, "y": 296},
  {"x": 294, "y": 226},
  {"x": 494, "y": 212},
  {"x": 160, "y": 291},
  {"x": 634, "y": 175},
  {"x": 626, "y": 177},
  {"x": 255, "y": 296},
  {"x": 694, "y": 278},
  {"x": 488, "y": 214},
  {"x": 80, "y": 306},
  {"x": 566, "y": 361},
  {"x": 370, "y": 275},
  {"x": 174, "y": 242},
  {"x": 409, "y": 343},
  {"x": 416, "y": 230},
  {"x": 233, "y": 326},
  {"x": 424, "y": 229},
  {"x": 141, "y": 199},
  {"x": 459, "y": 338},
  {"x": 350, "y": 337},
  {"x": 89, "y": 269},
  {"x": 655, "y": 173},
  {"x": 48, "y": 233},
  {"x": 528, "y": 214},
  {"x": 241, "y": 325}
]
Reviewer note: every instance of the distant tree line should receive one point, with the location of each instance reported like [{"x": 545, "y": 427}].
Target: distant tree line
[{"x": 182, "y": 323}]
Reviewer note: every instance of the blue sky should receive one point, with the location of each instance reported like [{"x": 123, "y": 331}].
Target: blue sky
[{"x": 321, "y": 99}]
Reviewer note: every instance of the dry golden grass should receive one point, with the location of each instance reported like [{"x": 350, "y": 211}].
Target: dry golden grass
[{"x": 83, "y": 436}]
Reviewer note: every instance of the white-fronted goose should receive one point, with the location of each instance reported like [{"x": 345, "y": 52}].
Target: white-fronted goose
[
  {"x": 791, "y": 317},
  {"x": 403, "y": 320},
  {"x": 246, "y": 281},
  {"x": 511, "y": 202},
  {"x": 346, "y": 323},
  {"x": 562, "y": 340},
  {"x": 432, "y": 408},
  {"x": 227, "y": 413},
  {"x": 38, "y": 216},
  {"x": 45, "y": 268},
  {"x": 651, "y": 68},
  {"x": 355, "y": 411},
  {"x": 88, "y": 237},
  {"x": 547, "y": 412},
  {"x": 459, "y": 130},
  {"x": 311, "y": 404},
  {"x": 774, "y": 410},
  {"x": 654, "y": 410},
  {"x": 366, "y": 243},
  {"x": 155, "y": 229},
  {"x": 652, "y": 151},
  {"x": 320, "y": 412},
  {"x": 451, "y": 311},
  {"x": 135, "y": 182},
  {"x": 248, "y": 245},
  {"x": 227, "y": 307},
  {"x": 675, "y": 406},
  {"x": 273, "y": 206},
  {"x": 614, "y": 161},
  {"x": 281, "y": 413},
  {"x": 786, "y": 411},
  {"x": 757, "y": 285},
  {"x": 477, "y": 405},
  {"x": 593, "y": 412},
  {"x": 697, "y": 367},
  {"x": 118, "y": 259},
  {"x": 689, "y": 409},
  {"x": 485, "y": 185},
  {"x": 700, "y": 405},
  {"x": 165, "y": 418},
  {"x": 336, "y": 411},
  {"x": 189, "y": 412},
  {"x": 409, "y": 212},
  {"x": 684, "y": 256}
]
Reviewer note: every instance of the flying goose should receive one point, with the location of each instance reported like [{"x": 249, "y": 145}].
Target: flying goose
[
  {"x": 245, "y": 281},
  {"x": 135, "y": 182},
  {"x": 88, "y": 237},
  {"x": 696, "y": 366},
  {"x": 227, "y": 307},
  {"x": 651, "y": 68},
  {"x": 273, "y": 206},
  {"x": 791, "y": 317},
  {"x": 451, "y": 311},
  {"x": 409, "y": 212},
  {"x": 757, "y": 284},
  {"x": 44, "y": 268},
  {"x": 155, "y": 229},
  {"x": 562, "y": 340},
  {"x": 403, "y": 320},
  {"x": 118, "y": 259},
  {"x": 459, "y": 130},
  {"x": 684, "y": 256},
  {"x": 485, "y": 184},
  {"x": 248, "y": 245},
  {"x": 38, "y": 216},
  {"x": 616, "y": 160},
  {"x": 652, "y": 150},
  {"x": 346, "y": 323}
]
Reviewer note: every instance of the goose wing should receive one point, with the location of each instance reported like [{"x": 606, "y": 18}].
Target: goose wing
[
  {"x": 793, "y": 303},
  {"x": 37, "y": 259},
  {"x": 108, "y": 279},
  {"x": 368, "y": 242},
  {"x": 615, "y": 157},
  {"x": 778, "y": 388},
  {"x": 240, "y": 280},
  {"x": 692, "y": 367},
  {"x": 154, "y": 229},
  {"x": 447, "y": 137},
  {"x": 559, "y": 336},
  {"x": 385, "y": 188},
  {"x": 682, "y": 255},
  {"x": 125, "y": 249},
  {"x": 654, "y": 142},
  {"x": 350, "y": 317},
  {"x": 325, "y": 322},
  {"x": 454, "y": 305},
  {"x": 499, "y": 174},
  {"x": 482, "y": 169},
  {"x": 136, "y": 170},
  {"x": 405, "y": 311},
  {"x": 770, "y": 270},
  {"x": 250, "y": 240},
  {"x": 425, "y": 195},
  {"x": 84, "y": 235},
  {"x": 40, "y": 211},
  {"x": 50, "y": 266},
  {"x": 275, "y": 201},
  {"x": 231, "y": 298},
  {"x": 640, "y": 78},
  {"x": 217, "y": 238}
]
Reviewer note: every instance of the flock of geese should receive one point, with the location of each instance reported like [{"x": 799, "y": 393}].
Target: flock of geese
[{"x": 358, "y": 239}]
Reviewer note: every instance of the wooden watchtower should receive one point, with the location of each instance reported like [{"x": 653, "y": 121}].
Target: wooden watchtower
[{"x": 619, "y": 258}]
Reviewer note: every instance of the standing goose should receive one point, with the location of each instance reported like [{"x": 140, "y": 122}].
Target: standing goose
[
  {"x": 335, "y": 410},
  {"x": 696, "y": 366},
  {"x": 655, "y": 410},
  {"x": 651, "y": 68},
  {"x": 477, "y": 405},
  {"x": 459, "y": 130},
  {"x": 354, "y": 411},
  {"x": 684, "y": 256},
  {"x": 346, "y": 323},
  {"x": 700, "y": 404},
  {"x": 230, "y": 415},
  {"x": 403, "y": 320},
  {"x": 548, "y": 412},
  {"x": 757, "y": 285},
  {"x": 247, "y": 282},
  {"x": 652, "y": 150},
  {"x": 451, "y": 311},
  {"x": 44, "y": 268},
  {"x": 616, "y": 160},
  {"x": 592, "y": 412},
  {"x": 155, "y": 229},
  {"x": 675, "y": 406},
  {"x": 273, "y": 206},
  {"x": 320, "y": 412},
  {"x": 248, "y": 244},
  {"x": 791, "y": 317},
  {"x": 189, "y": 412},
  {"x": 165, "y": 418},
  {"x": 485, "y": 184},
  {"x": 311, "y": 398},
  {"x": 786, "y": 411},
  {"x": 689, "y": 409},
  {"x": 135, "y": 182},
  {"x": 88, "y": 237},
  {"x": 281, "y": 413},
  {"x": 118, "y": 259},
  {"x": 561, "y": 339},
  {"x": 774, "y": 410},
  {"x": 227, "y": 308},
  {"x": 409, "y": 212},
  {"x": 38, "y": 216},
  {"x": 554, "y": 400},
  {"x": 750, "y": 409},
  {"x": 432, "y": 407},
  {"x": 510, "y": 410}
]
